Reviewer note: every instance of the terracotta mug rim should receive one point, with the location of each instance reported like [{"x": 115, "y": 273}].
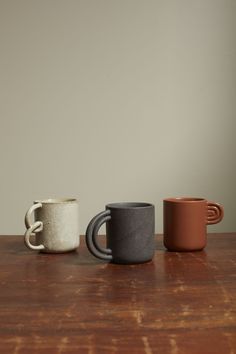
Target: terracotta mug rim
[{"x": 185, "y": 200}]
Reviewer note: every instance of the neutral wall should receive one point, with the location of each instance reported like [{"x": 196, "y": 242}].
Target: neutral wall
[{"x": 115, "y": 100}]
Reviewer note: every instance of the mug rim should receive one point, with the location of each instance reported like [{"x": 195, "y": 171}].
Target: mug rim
[
  {"x": 129, "y": 205},
  {"x": 56, "y": 201},
  {"x": 185, "y": 200}
]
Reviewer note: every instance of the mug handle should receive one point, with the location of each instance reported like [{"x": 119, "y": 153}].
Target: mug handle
[
  {"x": 32, "y": 228},
  {"x": 215, "y": 213},
  {"x": 92, "y": 233}
]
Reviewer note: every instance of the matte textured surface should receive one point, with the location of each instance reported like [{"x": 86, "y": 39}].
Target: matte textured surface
[
  {"x": 130, "y": 229},
  {"x": 74, "y": 303},
  {"x": 56, "y": 225}
]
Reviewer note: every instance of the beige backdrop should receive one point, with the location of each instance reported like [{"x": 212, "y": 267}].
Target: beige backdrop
[{"x": 116, "y": 100}]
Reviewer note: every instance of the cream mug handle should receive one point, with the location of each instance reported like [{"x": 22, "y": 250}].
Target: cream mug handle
[{"x": 37, "y": 226}]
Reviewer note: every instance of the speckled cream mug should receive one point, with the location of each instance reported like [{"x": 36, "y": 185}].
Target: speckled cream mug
[{"x": 56, "y": 225}]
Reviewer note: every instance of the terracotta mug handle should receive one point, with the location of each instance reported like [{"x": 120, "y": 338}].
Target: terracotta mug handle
[{"x": 215, "y": 213}]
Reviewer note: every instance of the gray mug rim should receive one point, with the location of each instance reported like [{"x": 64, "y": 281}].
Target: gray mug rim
[{"x": 130, "y": 205}]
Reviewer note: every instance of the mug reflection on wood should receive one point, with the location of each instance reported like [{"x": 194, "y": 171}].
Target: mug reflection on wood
[
  {"x": 185, "y": 222},
  {"x": 129, "y": 231}
]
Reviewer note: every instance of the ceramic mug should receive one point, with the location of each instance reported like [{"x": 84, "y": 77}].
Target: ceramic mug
[
  {"x": 185, "y": 222},
  {"x": 56, "y": 225},
  {"x": 129, "y": 231}
]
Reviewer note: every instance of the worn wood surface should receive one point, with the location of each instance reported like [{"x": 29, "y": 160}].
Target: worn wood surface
[{"x": 74, "y": 303}]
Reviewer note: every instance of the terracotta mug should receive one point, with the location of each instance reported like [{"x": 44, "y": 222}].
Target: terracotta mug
[
  {"x": 129, "y": 230},
  {"x": 185, "y": 222},
  {"x": 56, "y": 225}
]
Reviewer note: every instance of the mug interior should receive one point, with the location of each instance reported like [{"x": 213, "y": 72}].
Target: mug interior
[
  {"x": 184, "y": 199},
  {"x": 129, "y": 205},
  {"x": 56, "y": 201}
]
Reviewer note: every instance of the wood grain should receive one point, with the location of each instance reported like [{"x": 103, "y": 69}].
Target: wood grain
[{"x": 74, "y": 303}]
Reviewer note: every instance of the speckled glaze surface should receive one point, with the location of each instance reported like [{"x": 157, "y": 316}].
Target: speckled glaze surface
[
  {"x": 185, "y": 222},
  {"x": 129, "y": 230},
  {"x": 56, "y": 225}
]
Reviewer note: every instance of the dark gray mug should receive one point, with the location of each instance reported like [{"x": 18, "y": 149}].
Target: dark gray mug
[{"x": 130, "y": 233}]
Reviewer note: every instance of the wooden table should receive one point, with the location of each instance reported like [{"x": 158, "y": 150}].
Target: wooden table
[{"x": 74, "y": 303}]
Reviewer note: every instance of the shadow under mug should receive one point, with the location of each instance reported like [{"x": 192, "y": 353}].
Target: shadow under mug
[
  {"x": 185, "y": 222},
  {"x": 129, "y": 232},
  {"x": 56, "y": 225}
]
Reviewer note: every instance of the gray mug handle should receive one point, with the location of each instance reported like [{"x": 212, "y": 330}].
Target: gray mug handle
[{"x": 92, "y": 233}]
